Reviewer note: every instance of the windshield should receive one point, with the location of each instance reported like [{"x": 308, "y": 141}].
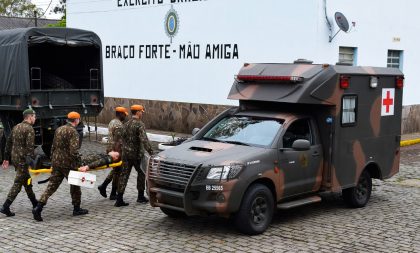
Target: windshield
[{"x": 245, "y": 130}]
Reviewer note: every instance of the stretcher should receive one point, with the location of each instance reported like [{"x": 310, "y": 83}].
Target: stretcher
[
  {"x": 39, "y": 171},
  {"x": 49, "y": 170}
]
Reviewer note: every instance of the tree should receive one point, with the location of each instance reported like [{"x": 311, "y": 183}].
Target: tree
[
  {"x": 18, "y": 8},
  {"x": 60, "y": 8}
]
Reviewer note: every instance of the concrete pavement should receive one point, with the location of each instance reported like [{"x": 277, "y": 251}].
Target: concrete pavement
[{"x": 389, "y": 223}]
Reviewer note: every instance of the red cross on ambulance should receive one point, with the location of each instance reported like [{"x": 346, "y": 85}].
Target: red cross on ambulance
[{"x": 388, "y": 96}]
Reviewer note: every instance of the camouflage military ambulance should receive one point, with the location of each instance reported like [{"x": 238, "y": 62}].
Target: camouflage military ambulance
[{"x": 300, "y": 130}]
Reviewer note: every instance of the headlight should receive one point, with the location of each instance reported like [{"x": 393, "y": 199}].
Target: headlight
[
  {"x": 154, "y": 163},
  {"x": 218, "y": 173},
  {"x": 224, "y": 172}
]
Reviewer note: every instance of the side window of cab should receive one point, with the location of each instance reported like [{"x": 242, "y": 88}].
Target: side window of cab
[{"x": 300, "y": 129}]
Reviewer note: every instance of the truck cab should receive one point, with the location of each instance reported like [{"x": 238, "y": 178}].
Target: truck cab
[{"x": 299, "y": 130}]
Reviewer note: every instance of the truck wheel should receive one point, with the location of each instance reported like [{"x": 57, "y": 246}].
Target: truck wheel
[
  {"x": 359, "y": 195},
  {"x": 173, "y": 213},
  {"x": 256, "y": 210}
]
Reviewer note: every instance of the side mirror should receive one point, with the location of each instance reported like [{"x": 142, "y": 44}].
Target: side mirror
[
  {"x": 195, "y": 131},
  {"x": 301, "y": 145}
]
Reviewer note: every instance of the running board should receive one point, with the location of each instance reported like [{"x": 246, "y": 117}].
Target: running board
[{"x": 299, "y": 202}]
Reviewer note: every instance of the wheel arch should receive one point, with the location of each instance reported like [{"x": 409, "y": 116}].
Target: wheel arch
[
  {"x": 374, "y": 170},
  {"x": 267, "y": 182},
  {"x": 241, "y": 191}
]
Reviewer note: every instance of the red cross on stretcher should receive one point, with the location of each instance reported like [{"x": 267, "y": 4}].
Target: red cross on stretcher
[{"x": 388, "y": 101}]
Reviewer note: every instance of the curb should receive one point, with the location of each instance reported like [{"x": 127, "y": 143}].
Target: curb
[{"x": 409, "y": 142}]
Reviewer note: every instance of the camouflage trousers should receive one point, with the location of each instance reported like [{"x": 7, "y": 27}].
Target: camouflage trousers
[
  {"x": 114, "y": 176},
  {"x": 57, "y": 176},
  {"x": 125, "y": 174},
  {"x": 21, "y": 179}
]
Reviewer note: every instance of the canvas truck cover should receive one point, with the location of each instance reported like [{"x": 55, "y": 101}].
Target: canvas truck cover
[
  {"x": 14, "y": 60},
  {"x": 296, "y": 83}
]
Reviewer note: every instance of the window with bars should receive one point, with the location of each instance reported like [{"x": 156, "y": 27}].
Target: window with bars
[
  {"x": 349, "y": 110},
  {"x": 394, "y": 59},
  {"x": 347, "y": 55}
]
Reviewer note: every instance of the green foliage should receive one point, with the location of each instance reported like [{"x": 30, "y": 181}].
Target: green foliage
[
  {"x": 18, "y": 8},
  {"x": 173, "y": 136},
  {"x": 60, "y": 8},
  {"x": 60, "y": 23}
]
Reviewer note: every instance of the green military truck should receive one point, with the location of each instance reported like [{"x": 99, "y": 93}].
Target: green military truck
[
  {"x": 300, "y": 130},
  {"x": 52, "y": 70}
]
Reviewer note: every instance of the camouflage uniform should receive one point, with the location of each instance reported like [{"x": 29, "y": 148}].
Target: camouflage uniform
[
  {"x": 96, "y": 160},
  {"x": 113, "y": 144},
  {"x": 19, "y": 146},
  {"x": 135, "y": 142},
  {"x": 65, "y": 157}
]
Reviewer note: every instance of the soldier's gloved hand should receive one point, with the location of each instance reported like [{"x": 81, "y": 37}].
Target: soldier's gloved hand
[{"x": 5, "y": 164}]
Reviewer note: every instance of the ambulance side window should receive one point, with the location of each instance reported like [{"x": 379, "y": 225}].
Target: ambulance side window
[
  {"x": 349, "y": 110},
  {"x": 299, "y": 129}
]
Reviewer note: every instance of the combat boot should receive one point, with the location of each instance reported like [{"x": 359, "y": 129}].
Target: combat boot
[
  {"x": 5, "y": 209},
  {"x": 79, "y": 211},
  {"x": 113, "y": 195},
  {"x": 120, "y": 201},
  {"x": 34, "y": 202},
  {"x": 142, "y": 199},
  {"x": 37, "y": 212},
  {"x": 102, "y": 187}
]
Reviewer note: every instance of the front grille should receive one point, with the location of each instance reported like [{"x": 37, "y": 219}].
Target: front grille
[{"x": 171, "y": 174}]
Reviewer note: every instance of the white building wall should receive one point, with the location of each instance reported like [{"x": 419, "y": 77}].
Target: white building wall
[{"x": 264, "y": 31}]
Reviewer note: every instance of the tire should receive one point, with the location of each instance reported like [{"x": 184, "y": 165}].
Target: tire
[
  {"x": 256, "y": 210},
  {"x": 173, "y": 213},
  {"x": 359, "y": 195}
]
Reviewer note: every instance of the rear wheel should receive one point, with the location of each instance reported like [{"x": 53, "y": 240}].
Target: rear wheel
[
  {"x": 256, "y": 210},
  {"x": 173, "y": 213},
  {"x": 359, "y": 195}
]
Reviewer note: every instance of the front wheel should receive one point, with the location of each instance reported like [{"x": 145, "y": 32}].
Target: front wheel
[
  {"x": 359, "y": 195},
  {"x": 256, "y": 210}
]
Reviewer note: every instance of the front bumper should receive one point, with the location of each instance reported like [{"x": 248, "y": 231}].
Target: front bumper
[{"x": 198, "y": 199}]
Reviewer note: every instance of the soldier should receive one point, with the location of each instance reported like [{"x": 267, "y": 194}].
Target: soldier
[
  {"x": 65, "y": 157},
  {"x": 114, "y": 143},
  {"x": 97, "y": 160},
  {"x": 135, "y": 142},
  {"x": 20, "y": 146}
]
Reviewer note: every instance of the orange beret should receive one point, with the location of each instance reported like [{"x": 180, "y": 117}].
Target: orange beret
[
  {"x": 121, "y": 109},
  {"x": 137, "y": 108},
  {"x": 73, "y": 115}
]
